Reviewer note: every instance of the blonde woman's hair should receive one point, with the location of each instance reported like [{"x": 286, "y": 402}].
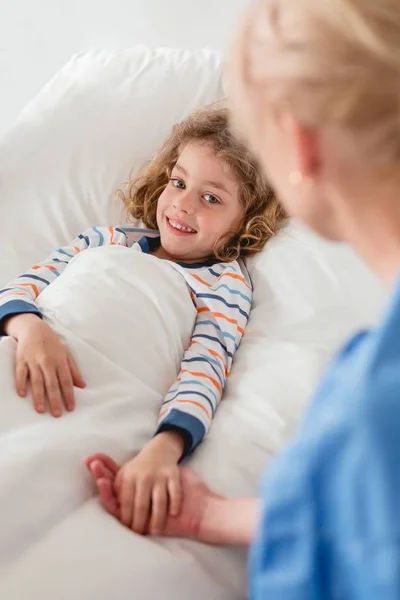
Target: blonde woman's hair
[
  {"x": 262, "y": 213},
  {"x": 329, "y": 62}
]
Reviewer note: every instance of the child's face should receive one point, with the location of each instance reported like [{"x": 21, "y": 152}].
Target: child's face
[{"x": 200, "y": 204}]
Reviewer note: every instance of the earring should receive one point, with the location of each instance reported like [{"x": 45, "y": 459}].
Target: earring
[{"x": 296, "y": 177}]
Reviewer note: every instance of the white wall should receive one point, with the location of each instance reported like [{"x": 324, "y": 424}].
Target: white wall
[{"x": 38, "y": 36}]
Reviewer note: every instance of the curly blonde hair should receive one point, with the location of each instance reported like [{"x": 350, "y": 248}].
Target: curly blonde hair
[{"x": 262, "y": 213}]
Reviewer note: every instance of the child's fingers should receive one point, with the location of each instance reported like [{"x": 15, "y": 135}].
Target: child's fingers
[
  {"x": 21, "y": 377},
  {"x": 142, "y": 505},
  {"x": 126, "y": 497},
  {"x": 107, "y": 497},
  {"x": 77, "y": 378},
  {"x": 66, "y": 385},
  {"x": 174, "y": 487},
  {"x": 37, "y": 385},
  {"x": 159, "y": 509},
  {"x": 53, "y": 391}
]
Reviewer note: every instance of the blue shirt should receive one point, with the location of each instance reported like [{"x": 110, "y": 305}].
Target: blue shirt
[{"x": 330, "y": 526}]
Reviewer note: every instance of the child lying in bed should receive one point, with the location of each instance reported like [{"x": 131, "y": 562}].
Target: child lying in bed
[{"x": 208, "y": 206}]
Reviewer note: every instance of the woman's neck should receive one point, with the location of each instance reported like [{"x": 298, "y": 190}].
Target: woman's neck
[{"x": 371, "y": 224}]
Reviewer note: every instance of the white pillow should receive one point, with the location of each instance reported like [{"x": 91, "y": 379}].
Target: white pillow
[
  {"x": 103, "y": 114},
  {"x": 310, "y": 295}
]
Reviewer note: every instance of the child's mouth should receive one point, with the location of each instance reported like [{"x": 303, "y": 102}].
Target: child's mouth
[{"x": 177, "y": 228}]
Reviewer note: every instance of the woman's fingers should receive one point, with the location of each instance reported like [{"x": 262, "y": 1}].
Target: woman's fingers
[
  {"x": 107, "y": 497},
  {"x": 106, "y": 460}
]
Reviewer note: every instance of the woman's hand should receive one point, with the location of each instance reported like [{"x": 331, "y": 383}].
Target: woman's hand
[
  {"x": 204, "y": 515},
  {"x": 43, "y": 359},
  {"x": 194, "y": 519}
]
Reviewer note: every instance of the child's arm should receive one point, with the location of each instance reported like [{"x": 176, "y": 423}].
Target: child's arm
[
  {"x": 40, "y": 355},
  {"x": 222, "y": 315},
  {"x": 148, "y": 486}
]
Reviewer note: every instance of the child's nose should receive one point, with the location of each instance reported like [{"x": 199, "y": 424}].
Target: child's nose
[{"x": 185, "y": 202}]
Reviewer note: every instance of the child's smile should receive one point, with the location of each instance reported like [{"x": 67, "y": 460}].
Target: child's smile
[{"x": 199, "y": 205}]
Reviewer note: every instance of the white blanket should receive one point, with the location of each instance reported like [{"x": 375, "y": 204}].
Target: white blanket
[
  {"x": 127, "y": 317},
  {"x": 55, "y": 540}
]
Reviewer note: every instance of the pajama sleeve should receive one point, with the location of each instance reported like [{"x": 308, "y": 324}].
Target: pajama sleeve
[
  {"x": 222, "y": 314},
  {"x": 19, "y": 296}
]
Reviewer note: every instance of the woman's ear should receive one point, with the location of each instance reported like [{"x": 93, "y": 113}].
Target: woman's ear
[{"x": 304, "y": 142}]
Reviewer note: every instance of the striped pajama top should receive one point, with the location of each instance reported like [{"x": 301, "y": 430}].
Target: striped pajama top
[{"x": 222, "y": 295}]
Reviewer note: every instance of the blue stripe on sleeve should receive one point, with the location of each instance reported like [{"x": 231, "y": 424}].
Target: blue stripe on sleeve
[
  {"x": 213, "y": 339},
  {"x": 36, "y": 278},
  {"x": 230, "y": 290},
  {"x": 193, "y": 392},
  {"x": 16, "y": 307},
  {"x": 200, "y": 359},
  {"x": 193, "y": 382},
  {"x": 223, "y": 267},
  {"x": 228, "y": 304},
  {"x": 210, "y": 270},
  {"x": 224, "y": 333},
  {"x": 144, "y": 245},
  {"x": 139, "y": 230},
  {"x": 84, "y": 237},
  {"x": 214, "y": 361},
  {"x": 120, "y": 231},
  {"x": 100, "y": 235},
  {"x": 188, "y": 423},
  {"x": 61, "y": 251}
]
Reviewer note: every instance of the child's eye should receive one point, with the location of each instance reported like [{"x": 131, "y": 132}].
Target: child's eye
[
  {"x": 211, "y": 199},
  {"x": 178, "y": 183}
]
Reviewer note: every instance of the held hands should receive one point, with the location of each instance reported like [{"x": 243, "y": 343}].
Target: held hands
[
  {"x": 147, "y": 489},
  {"x": 43, "y": 359},
  {"x": 154, "y": 495}
]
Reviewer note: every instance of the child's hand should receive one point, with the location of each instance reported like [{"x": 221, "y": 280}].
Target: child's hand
[
  {"x": 43, "y": 359},
  {"x": 195, "y": 517},
  {"x": 148, "y": 487}
]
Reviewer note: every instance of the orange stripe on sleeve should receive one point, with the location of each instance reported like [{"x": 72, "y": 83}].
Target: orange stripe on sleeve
[
  {"x": 51, "y": 267},
  {"x": 12, "y": 293},
  {"x": 200, "y": 279},
  {"x": 235, "y": 276},
  {"x": 214, "y": 353},
  {"x": 199, "y": 374},
  {"x": 163, "y": 413},
  {"x": 222, "y": 316},
  {"x": 183, "y": 401},
  {"x": 33, "y": 286}
]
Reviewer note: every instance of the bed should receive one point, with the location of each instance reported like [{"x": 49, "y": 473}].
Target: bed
[{"x": 98, "y": 118}]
